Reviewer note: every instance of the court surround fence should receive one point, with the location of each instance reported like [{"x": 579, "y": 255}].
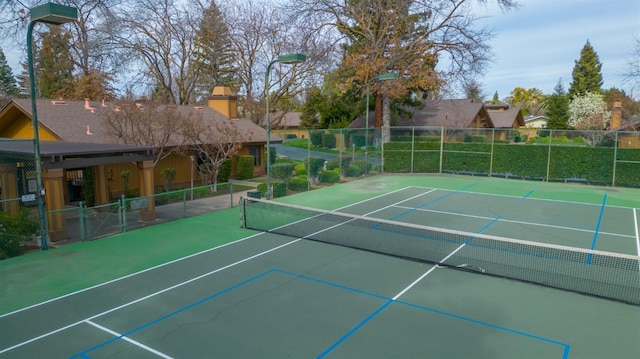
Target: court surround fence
[{"x": 610, "y": 158}]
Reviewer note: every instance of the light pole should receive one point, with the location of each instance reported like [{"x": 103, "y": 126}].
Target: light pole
[
  {"x": 283, "y": 59},
  {"x": 53, "y": 14},
  {"x": 381, "y": 77}
]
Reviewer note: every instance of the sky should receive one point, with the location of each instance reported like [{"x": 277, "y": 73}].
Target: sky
[{"x": 539, "y": 44}]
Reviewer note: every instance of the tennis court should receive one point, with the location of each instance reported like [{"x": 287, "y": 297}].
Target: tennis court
[{"x": 203, "y": 287}]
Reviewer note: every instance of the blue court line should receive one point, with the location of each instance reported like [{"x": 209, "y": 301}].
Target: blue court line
[
  {"x": 84, "y": 354},
  {"x": 529, "y": 193},
  {"x": 389, "y": 301},
  {"x": 483, "y": 229},
  {"x": 595, "y": 234},
  {"x": 433, "y": 201}
]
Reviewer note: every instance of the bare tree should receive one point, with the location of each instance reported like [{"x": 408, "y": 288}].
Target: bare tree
[
  {"x": 163, "y": 37},
  {"x": 214, "y": 141},
  {"x": 145, "y": 124},
  {"x": 632, "y": 73},
  {"x": 261, "y": 31},
  {"x": 409, "y": 37}
]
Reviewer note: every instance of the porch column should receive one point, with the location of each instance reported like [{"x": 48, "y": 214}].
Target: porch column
[
  {"x": 145, "y": 172},
  {"x": 9, "y": 187},
  {"x": 100, "y": 185},
  {"x": 54, "y": 201}
]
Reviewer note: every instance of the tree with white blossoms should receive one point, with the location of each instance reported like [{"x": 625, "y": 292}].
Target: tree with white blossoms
[{"x": 589, "y": 113}]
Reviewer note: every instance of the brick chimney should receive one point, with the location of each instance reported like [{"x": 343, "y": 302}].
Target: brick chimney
[
  {"x": 224, "y": 102},
  {"x": 616, "y": 115}
]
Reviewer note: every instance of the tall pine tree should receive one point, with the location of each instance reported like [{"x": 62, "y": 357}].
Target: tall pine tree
[
  {"x": 586, "y": 75},
  {"x": 557, "y": 108},
  {"x": 8, "y": 83},
  {"x": 55, "y": 65}
]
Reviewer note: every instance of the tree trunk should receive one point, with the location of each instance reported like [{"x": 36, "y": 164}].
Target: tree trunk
[{"x": 386, "y": 119}]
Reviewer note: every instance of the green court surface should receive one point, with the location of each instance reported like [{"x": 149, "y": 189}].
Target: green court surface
[{"x": 203, "y": 287}]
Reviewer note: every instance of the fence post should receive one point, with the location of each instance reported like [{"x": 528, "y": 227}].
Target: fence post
[
  {"x": 184, "y": 202},
  {"x": 615, "y": 159},
  {"x": 493, "y": 140},
  {"x": 82, "y": 222},
  {"x": 549, "y": 154},
  {"x": 122, "y": 204},
  {"x": 441, "y": 147},
  {"x": 413, "y": 146}
]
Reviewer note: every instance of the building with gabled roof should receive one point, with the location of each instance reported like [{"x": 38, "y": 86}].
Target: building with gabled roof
[{"x": 74, "y": 138}]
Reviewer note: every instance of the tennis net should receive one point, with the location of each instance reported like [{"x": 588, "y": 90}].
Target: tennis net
[{"x": 602, "y": 274}]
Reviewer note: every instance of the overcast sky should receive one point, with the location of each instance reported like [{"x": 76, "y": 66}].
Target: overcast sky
[{"x": 539, "y": 44}]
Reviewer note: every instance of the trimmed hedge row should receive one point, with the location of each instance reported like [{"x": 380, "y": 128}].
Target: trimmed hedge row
[{"x": 593, "y": 165}]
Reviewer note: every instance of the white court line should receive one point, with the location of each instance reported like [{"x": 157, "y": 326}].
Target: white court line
[
  {"x": 174, "y": 261},
  {"x": 120, "y": 336},
  {"x": 172, "y": 287},
  {"x": 518, "y": 197},
  {"x": 428, "y": 272},
  {"x": 522, "y": 222},
  {"x": 148, "y": 296}
]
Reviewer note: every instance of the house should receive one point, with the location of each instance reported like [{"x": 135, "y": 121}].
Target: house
[
  {"x": 536, "y": 121},
  {"x": 74, "y": 139}
]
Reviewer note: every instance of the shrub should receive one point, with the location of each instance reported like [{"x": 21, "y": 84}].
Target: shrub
[
  {"x": 336, "y": 162},
  {"x": 330, "y": 176},
  {"x": 329, "y": 140},
  {"x": 316, "y": 138},
  {"x": 282, "y": 171},
  {"x": 245, "y": 167},
  {"x": 290, "y": 136},
  {"x": 365, "y": 166},
  {"x": 299, "y": 183},
  {"x": 279, "y": 189},
  {"x": 224, "y": 172},
  {"x": 300, "y": 169},
  {"x": 168, "y": 175},
  {"x": 354, "y": 171},
  {"x": 15, "y": 229}
]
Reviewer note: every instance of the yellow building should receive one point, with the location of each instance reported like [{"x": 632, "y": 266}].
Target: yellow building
[{"x": 75, "y": 137}]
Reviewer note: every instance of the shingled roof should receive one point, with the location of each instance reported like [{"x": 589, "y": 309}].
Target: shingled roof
[
  {"x": 83, "y": 121},
  {"x": 455, "y": 113}
]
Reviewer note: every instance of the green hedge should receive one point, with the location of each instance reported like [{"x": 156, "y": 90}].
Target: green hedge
[
  {"x": 245, "y": 167},
  {"x": 328, "y": 140},
  {"x": 299, "y": 183},
  {"x": 330, "y": 176},
  {"x": 279, "y": 189},
  {"x": 568, "y": 162}
]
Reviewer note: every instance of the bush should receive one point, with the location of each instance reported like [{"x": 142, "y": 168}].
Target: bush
[
  {"x": 316, "y": 138},
  {"x": 330, "y": 176},
  {"x": 336, "y": 162},
  {"x": 279, "y": 189},
  {"x": 290, "y": 136},
  {"x": 282, "y": 171},
  {"x": 299, "y": 183},
  {"x": 15, "y": 229},
  {"x": 365, "y": 166},
  {"x": 245, "y": 167},
  {"x": 328, "y": 140},
  {"x": 224, "y": 172},
  {"x": 300, "y": 169},
  {"x": 354, "y": 171}
]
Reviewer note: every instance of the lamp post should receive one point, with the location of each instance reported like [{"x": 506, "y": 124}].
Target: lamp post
[
  {"x": 288, "y": 59},
  {"x": 381, "y": 77},
  {"x": 53, "y": 14}
]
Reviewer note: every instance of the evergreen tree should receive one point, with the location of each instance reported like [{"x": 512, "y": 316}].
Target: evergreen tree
[
  {"x": 213, "y": 55},
  {"x": 557, "y": 108},
  {"x": 8, "y": 84},
  {"x": 586, "y": 75},
  {"x": 55, "y": 65}
]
